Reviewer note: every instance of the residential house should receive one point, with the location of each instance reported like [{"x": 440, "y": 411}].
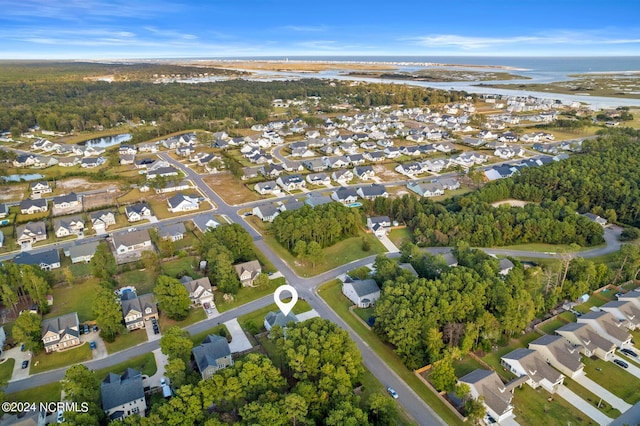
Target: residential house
[
  {"x": 363, "y": 293},
  {"x": 374, "y": 156},
  {"x": 430, "y": 189},
  {"x": 271, "y": 170},
  {"x": 30, "y": 206},
  {"x": 272, "y": 319},
  {"x": 61, "y": 332},
  {"x": 336, "y": 162},
  {"x": 171, "y": 186},
  {"x": 315, "y": 165},
  {"x": 46, "y": 260},
  {"x": 597, "y": 219},
  {"x": 148, "y": 147},
  {"x": 173, "y": 232},
  {"x": 269, "y": 187},
  {"x": 127, "y": 159},
  {"x": 318, "y": 179},
  {"x": 266, "y": 212},
  {"x": 444, "y": 147},
  {"x": 528, "y": 363},
  {"x": 624, "y": 311},
  {"x": 608, "y": 326},
  {"x": 450, "y": 184},
  {"x": 126, "y": 242},
  {"x": 292, "y": 205},
  {"x": 204, "y": 222},
  {"x": 250, "y": 173},
  {"x": 183, "y": 203},
  {"x": 31, "y": 233},
  {"x": 588, "y": 342},
  {"x": 559, "y": 353},
  {"x": 137, "y": 309},
  {"x": 65, "y": 202},
  {"x": 63, "y": 227},
  {"x": 25, "y": 160},
  {"x": 345, "y": 195},
  {"x": 248, "y": 272},
  {"x": 379, "y": 225},
  {"x": 137, "y": 212},
  {"x": 364, "y": 172},
  {"x": 101, "y": 220},
  {"x": 496, "y": 397},
  {"x": 92, "y": 162},
  {"x": 200, "y": 291},
  {"x": 291, "y": 182},
  {"x": 162, "y": 172},
  {"x": 342, "y": 177},
  {"x": 356, "y": 159},
  {"x": 314, "y": 200},
  {"x": 293, "y": 166},
  {"x": 212, "y": 355},
  {"x": 372, "y": 192},
  {"x": 302, "y": 152},
  {"x": 123, "y": 396},
  {"x": 127, "y": 150},
  {"x": 83, "y": 252},
  {"x": 39, "y": 188},
  {"x": 505, "y": 266},
  {"x": 409, "y": 169}
]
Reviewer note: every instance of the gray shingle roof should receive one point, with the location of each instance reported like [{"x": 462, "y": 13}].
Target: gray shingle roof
[
  {"x": 117, "y": 390},
  {"x": 365, "y": 287},
  {"x": 213, "y": 347}
]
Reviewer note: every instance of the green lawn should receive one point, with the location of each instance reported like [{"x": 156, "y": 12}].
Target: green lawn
[
  {"x": 246, "y": 294},
  {"x": 548, "y": 248},
  {"x": 593, "y": 301},
  {"x": 257, "y": 317},
  {"x": 535, "y": 407},
  {"x": 613, "y": 378},
  {"x": 80, "y": 269},
  {"x": 141, "y": 280},
  {"x": 198, "y": 338},
  {"x": 493, "y": 358},
  {"x": 195, "y": 315},
  {"x": 124, "y": 341},
  {"x": 75, "y": 298},
  {"x": 552, "y": 326},
  {"x": 145, "y": 363},
  {"x": 6, "y": 369},
  {"x": 592, "y": 398},
  {"x": 338, "y": 254},
  {"x": 400, "y": 235},
  {"x": 43, "y": 361},
  {"x": 364, "y": 313},
  {"x": 332, "y": 294},
  {"x": 188, "y": 265},
  {"x": 568, "y": 317},
  {"x": 43, "y": 393},
  {"x": 466, "y": 365}
]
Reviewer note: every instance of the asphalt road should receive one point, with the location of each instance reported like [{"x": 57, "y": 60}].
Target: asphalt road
[{"x": 306, "y": 287}]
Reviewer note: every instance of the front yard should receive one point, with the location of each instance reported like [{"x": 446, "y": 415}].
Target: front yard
[
  {"x": 145, "y": 363},
  {"x": 613, "y": 378},
  {"x": 246, "y": 295},
  {"x": 127, "y": 340},
  {"x": 257, "y": 317},
  {"x": 534, "y": 407},
  {"x": 196, "y": 314},
  {"x": 43, "y": 361}
]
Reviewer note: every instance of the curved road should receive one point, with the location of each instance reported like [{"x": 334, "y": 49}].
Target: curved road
[{"x": 306, "y": 287}]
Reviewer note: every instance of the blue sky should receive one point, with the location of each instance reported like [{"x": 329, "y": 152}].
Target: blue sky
[{"x": 104, "y": 29}]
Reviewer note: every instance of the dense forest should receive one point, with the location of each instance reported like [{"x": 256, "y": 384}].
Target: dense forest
[
  {"x": 470, "y": 306},
  {"x": 84, "y": 105},
  {"x": 325, "y": 224}
]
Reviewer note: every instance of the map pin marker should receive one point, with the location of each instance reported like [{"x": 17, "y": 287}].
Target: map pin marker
[{"x": 288, "y": 306}]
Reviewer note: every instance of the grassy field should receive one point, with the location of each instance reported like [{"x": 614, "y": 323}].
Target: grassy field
[
  {"x": 124, "y": 341},
  {"x": 400, "y": 235},
  {"x": 338, "y": 254},
  {"x": 246, "y": 294},
  {"x": 534, "y": 407},
  {"x": 331, "y": 293},
  {"x": 43, "y": 362},
  {"x": 6, "y": 369},
  {"x": 613, "y": 378},
  {"x": 195, "y": 315},
  {"x": 257, "y": 317},
  {"x": 593, "y": 301},
  {"x": 141, "y": 280},
  {"x": 187, "y": 264},
  {"x": 145, "y": 363},
  {"x": 547, "y": 248},
  {"x": 43, "y": 393},
  {"x": 75, "y": 298},
  {"x": 231, "y": 189}
]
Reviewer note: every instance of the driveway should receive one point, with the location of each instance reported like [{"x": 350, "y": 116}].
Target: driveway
[
  {"x": 388, "y": 244},
  {"x": 148, "y": 326},
  {"x": 239, "y": 341},
  {"x": 615, "y": 402},
  {"x": 161, "y": 362},
  {"x": 582, "y": 405},
  {"x": 19, "y": 356},
  {"x": 307, "y": 315},
  {"x": 101, "y": 350},
  {"x": 632, "y": 369}
]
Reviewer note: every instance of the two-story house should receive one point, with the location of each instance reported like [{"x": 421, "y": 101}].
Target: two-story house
[
  {"x": 31, "y": 233},
  {"x": 248, "y": 272},
  {"x": 137, "y": 212},
  {"x": 200, "y": 291},
  {"x": 212, "y": 355},
  {"x": 63, "y": 227},
  {"x": 101, "y": 220},
  {"x": 123, "y": 396},
  {"x": 61, "y": 332},
  {"x": 138, "y": 309}
]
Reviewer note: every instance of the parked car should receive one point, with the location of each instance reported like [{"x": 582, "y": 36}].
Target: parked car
[
  {"x": 163, "y": 381},
  {"x": 86, "y": 329},
  {"x": 60, "y": 416},
  {"x": 621, "y": 363},
  {"x": 629, "y": 352},
  {"x": 95, "y": 328},
  {"x": 25, "y": 364},
  {"x": 92, "y": 345},
  {"x": 22, "y": 347},
  {"x": 392, "y": 392}
]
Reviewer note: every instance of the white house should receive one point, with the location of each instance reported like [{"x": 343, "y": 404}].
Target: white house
[
  {"x": 560, "y": 354},
  {"x": 379, "y": 225},
  {"x": 363, "y": 293},
  {"x": 527, "y": 362},
  {"x": 609, "y": 327},
  {"x": 496, "y": 396},
  {"x": 587, "y": 340},
  {"x": 183, "y": 203},
  {"x": 126, "y": 242}
]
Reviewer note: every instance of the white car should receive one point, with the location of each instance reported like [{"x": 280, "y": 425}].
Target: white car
[{"x": 392, "y": 392}]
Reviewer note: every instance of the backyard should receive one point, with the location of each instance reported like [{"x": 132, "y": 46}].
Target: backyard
[{"x": 75, "y": 298}]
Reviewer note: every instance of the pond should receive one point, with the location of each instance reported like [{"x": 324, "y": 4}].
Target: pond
[
  {"x": 106, "y": 141},
  {"x": 26, "y": 177}
]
